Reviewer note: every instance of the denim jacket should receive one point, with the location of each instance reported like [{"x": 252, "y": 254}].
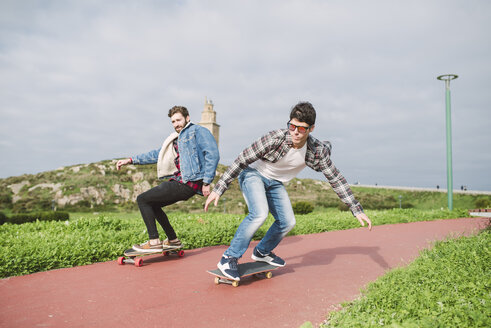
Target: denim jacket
[{"x": 198, "y": 153}]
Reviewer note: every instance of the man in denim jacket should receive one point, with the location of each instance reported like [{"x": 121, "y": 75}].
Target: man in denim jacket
[
  {"x": 262, "y": 168},
  {"x": 189, "y": 157}
]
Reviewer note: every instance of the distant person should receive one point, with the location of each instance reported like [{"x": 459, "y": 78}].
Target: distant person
[
  {"x": 189, "y": 158},
  {"x": 262, "y": 168}
]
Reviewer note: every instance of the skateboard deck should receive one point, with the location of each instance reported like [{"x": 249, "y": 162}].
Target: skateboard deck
[
  {"x": 136, "y": 257},
  {"x": 258, "y": 269}
]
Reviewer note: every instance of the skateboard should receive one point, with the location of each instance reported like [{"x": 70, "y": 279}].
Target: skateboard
[
  {"x": 136, "y": 257},
  {"x": 257, "y": 269}
]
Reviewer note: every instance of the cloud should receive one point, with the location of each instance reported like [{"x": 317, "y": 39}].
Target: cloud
[{"x": 86, "y": 81}]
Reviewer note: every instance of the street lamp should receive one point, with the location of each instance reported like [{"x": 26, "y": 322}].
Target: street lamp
[{"x": 447, "y": 78}]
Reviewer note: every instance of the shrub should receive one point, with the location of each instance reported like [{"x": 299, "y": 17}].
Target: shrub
[
  {"x": 32, "y": 203},
  {"x": 482, "y": 203},
  {"x": 5, "y": 200},
  {"x": 302, "y": 207},
  {"x": 378, "y": 202},
  {"x": 41, "y": 216},
  {"x": 3, "y": 218}
]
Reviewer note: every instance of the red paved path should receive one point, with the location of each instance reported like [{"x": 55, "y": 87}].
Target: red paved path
[{"x": 322, "y": 271}]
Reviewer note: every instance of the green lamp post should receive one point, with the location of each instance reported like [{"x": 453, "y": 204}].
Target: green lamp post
[{"x": 447, "y": 78}]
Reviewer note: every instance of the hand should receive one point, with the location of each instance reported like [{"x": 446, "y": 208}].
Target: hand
[
  {"x": 122, "y": 162},
  {"x": 206, "y": 190},
  {"x": 213, "y": 197},
  {"x": 362, "y": 217}
]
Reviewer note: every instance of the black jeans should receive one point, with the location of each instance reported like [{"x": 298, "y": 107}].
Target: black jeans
[{"x": 151, "y": 202}]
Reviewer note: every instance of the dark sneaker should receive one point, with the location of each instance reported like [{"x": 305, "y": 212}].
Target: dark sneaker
[
  {"x": 270, "y": 258},
  {"x": 146, "y": 246},
  {"x": 176, "y": 244},
  {"x": 229, "y": 267}
]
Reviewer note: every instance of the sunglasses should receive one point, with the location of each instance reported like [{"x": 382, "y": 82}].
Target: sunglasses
[{"x": 301, "y": 129}]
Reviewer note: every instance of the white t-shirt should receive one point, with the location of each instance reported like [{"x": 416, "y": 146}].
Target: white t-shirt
[{"x": 286, "y": 168}]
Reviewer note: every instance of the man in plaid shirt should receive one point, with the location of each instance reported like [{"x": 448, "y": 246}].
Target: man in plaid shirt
[{"x": 262, "y": 168}]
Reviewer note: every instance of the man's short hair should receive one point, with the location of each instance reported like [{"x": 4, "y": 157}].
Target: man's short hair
[
  {"x": 304, "y": 112},
  {"x": 179, "y": 109}
]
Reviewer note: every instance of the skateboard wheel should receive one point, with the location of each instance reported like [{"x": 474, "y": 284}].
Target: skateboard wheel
[
  {"x": 235, "y": 283},
  {"x": 121, "y": 260},
  {"x": 139, "y": 262},
  {"x": 217, "y": 281},
  {"x": 180, "y": 253},
  {"x": 269, "y": 274}
]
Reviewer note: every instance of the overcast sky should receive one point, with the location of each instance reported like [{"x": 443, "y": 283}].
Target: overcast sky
[{"x": 84, "y": 81}]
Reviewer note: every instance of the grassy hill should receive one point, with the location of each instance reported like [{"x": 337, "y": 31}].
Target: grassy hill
[{"x": 100, "y": 187}]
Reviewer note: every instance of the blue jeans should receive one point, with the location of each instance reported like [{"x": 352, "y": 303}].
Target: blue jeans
[{"x": 262, "y": 196}]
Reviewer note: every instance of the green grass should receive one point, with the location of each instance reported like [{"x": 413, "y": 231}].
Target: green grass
[
  {"x": 447, "y": 286},
  {"x": 89, "y": 238}
]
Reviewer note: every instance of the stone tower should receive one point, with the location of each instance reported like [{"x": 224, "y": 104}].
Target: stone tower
[{"x": 209, "y": 119}]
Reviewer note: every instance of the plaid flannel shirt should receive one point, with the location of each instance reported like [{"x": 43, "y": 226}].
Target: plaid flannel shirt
[{"x": 274, "y": 145}]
